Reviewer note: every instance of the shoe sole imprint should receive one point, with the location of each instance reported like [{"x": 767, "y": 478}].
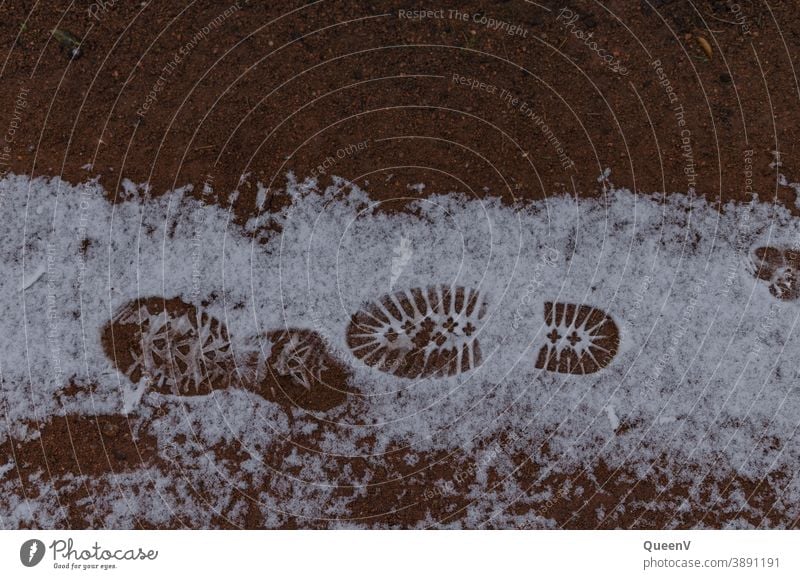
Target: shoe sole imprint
[
  {"x": 780, "y": 268},
  {"x": 177, "y": 348},
  {"x": 300, "y": 371},
  {"x": 419, "y": 333},
  {"x": 581, "y": 339}
]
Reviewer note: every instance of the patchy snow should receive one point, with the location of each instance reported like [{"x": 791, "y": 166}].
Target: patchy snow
[{"x": 707, "y": 366}]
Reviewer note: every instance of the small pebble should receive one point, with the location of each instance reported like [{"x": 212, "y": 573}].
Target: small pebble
[
  {"x": 109, "y": 429},
  {"x": 704, "y": 44}
]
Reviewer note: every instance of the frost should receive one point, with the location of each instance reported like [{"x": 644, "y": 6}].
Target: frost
[
  {"x": 132, "y": 394},
  {"x": 705, "y": 372},
  {"x": 613, "y": 419},
  {"x": 402, "y": 256}
]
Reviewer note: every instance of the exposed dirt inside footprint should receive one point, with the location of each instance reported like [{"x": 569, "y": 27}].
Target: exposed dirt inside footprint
[
  {"x": 581, "y": 339},
  {"x": 301, "y": 372},
  {"x": 173, "y": 346},
  {"x": 420, "y": 332}
]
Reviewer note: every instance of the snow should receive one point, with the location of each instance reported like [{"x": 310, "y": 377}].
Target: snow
[
  {"x": 707, "y": 367},
  {"x": 613, "y": 419}
]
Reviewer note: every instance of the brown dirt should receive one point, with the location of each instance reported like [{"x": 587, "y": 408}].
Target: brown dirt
[
  {"x": 317, "y": 383},
  {"x": 76, "y": 446},
  {"x": 265, "y": 97},
  {"x": 595, "y": 497}
]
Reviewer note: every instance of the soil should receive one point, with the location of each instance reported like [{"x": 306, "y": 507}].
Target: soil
[
  {"x": 260, "y": 98},
  {"x": 363, "y": 91}
]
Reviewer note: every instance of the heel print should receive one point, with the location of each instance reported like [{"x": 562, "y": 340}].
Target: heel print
[
  {"x": 177, "y": 348},
  {"x": 419, "y": 332},
  {"x": 581, "y": 339},
  {"x": 301, "y": 371}
]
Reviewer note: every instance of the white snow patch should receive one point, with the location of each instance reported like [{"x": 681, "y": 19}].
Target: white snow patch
[
  {"x": 613, "y": 419},
  {"x": 705, "y": 341}
]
